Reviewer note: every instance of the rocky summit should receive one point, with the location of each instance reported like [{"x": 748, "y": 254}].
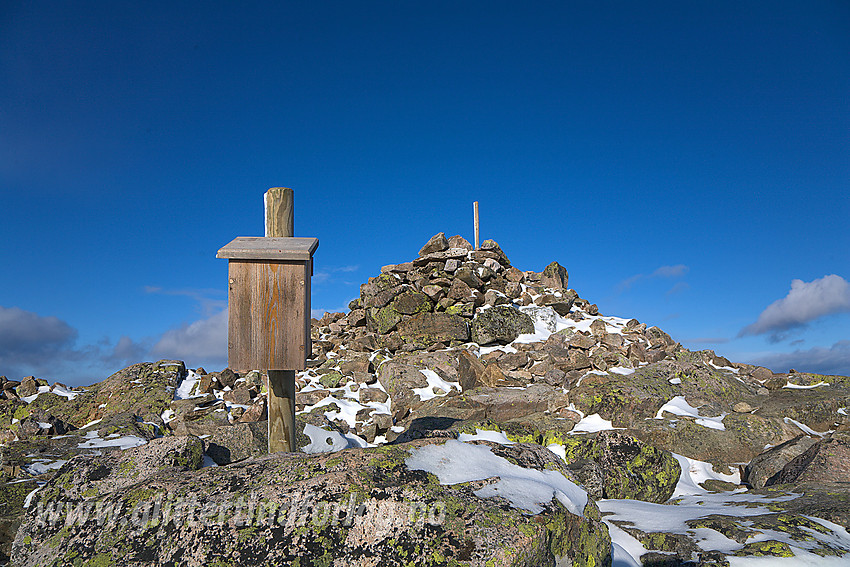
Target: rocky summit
[{"x": 462, "y": 412}]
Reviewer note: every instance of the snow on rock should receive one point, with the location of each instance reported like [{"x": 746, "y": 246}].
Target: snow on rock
[
  {"x": 527, "y": 489},
  {"x": 41, "y": 466},
  {"x": 93, "y": 441},
  {"x": 434, "y": 383},
  {"x": 322, "y": 441},
  {"x": 805, "y": 428},
  {"x": 188, "y": 387},
  {"x": 486, "y": 435},
  {"x": 592, "y": 424},
  {"x": 695, "y": 472},
  {"x": 793, "y": 386},
  {"x": 680, "y": 406}
]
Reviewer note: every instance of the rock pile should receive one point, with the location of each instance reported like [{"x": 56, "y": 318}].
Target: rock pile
[{"x": 455, "y": 345}]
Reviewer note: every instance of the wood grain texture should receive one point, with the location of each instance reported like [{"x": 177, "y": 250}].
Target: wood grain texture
[
  {"x": 281, "y": 402},
  {"x": 280, "y": 212},
  {"x": 269, "y": 315},
  {"x": 259, "y": 248}
]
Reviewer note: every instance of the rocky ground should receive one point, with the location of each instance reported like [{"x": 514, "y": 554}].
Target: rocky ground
[{"x": 462, "y": 412}]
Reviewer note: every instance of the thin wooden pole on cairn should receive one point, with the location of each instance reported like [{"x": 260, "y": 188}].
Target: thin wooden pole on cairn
[{"x": 475, "y": 214}]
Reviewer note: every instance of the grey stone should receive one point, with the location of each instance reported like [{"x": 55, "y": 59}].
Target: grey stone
[
  {"x": 466, "y": 275},
  {"x": 430, "y": 328},
  {"x": 555, "y": 276},
  {"x": 458, "y": 241},
  {"x": 436, "y": 243},
  {"x": 238, "y": 442},
  {"x": 765, "y": 468},
  {"x": 500, "y": 324}
]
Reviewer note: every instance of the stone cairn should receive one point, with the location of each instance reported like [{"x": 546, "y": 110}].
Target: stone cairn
[{"x": 451, "y": 295}]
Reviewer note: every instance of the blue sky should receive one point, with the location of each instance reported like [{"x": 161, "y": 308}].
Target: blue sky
[{"x": 686, "y": 162}]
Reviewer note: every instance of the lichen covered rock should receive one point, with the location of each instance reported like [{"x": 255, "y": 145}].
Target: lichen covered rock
[{"x": 350, "y": 508}]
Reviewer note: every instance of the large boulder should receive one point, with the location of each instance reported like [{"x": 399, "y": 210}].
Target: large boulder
[
  {"x": 12, "y": 498},
  {"x": 765, "y": 468},
  {"x": 238, "y": 442},
  {"x": 379, "y": 291},
  {"x": 400, "y": 380},
  {"x": 503, "y": 404},
  {"x": 436, "y": 243},
  {"x": 555, "y": 276},
  {"x": 430, "y": 328},
  {"x": 630, "y": 468},
  {"x": 416, "y": 504},
  {"x": 827, "y": 461},
  {"x": 500, "y": 324}
]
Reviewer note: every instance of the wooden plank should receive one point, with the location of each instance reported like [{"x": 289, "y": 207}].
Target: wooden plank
[
  {"x": 281, "y": 403},
  {"x": 259, "y": 248},
  {"x": 239, "y": 320},
  {"x": 280, "y": 211},
  {"x": 268, "y": 328}
]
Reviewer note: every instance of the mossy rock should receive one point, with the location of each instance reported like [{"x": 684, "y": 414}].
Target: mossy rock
[
  {"x": 766, "y": 548},
  {"x": 396, "y": 516}
]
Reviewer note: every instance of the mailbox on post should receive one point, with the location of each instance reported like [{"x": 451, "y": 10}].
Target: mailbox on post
[
  {"x": 269, "y": 318},
  {"x": 269, "y": 302}
]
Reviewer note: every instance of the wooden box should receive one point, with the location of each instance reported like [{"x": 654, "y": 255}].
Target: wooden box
[{"x": 269, "y": 302}]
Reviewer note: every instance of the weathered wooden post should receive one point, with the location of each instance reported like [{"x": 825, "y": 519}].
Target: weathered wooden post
[
  {"x": 269, "y": 309},
  {"x": 475, "y": 221}
]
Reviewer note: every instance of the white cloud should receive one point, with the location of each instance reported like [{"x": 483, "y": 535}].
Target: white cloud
[
  {"x": 128, "y": 351},
  {"x": 326, "y": 273},
  {"x": 805, "y": 302},
  {"x": 678, "y": 288},
  {"x": 209, "y": 300},
  {"x": 205, "y": 339},
  {"x": 819, "y": 360},
  {"x": 677, "y": 271}
]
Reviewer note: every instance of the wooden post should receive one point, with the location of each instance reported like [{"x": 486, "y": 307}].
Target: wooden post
[
  {"x": 280, "y": 211},
  {"x": 279, "y": 205},
  {"x": 475, "y": 214}
]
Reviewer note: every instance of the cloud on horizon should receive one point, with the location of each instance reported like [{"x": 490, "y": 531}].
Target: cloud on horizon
[
  {"x": 208, "y": 299},
  {"x": 45, "y": 346},
  {"x": 27, "y": 334},
  {"x": 205, "y": 341},
  {"x": 805, "y": 302},
  {"x": 708, "y": 340},
  {"x": 818, "y": 360},
  {"x": 326, "y": 274},
  {"x": 677, "y": 271}
]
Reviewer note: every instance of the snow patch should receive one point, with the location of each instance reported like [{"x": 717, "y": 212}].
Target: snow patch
[
  {"x": 41, "y": 466},
  {"x": 695, "y": 472},
  {"x": 680, "y": 406},
  {"x": 434, "y": 382},
  {"x": 792, "y": 386},
  {"x": 805, "y": 428},
  {"x": 592, "y": 424},
  {"x": 486, "y": 435},
  {"x": 93, "y": 441},
  {"x": 527, "y": 489},
  {"x": 323, "y": 441},
  {"x": 188, "y": 387}
]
